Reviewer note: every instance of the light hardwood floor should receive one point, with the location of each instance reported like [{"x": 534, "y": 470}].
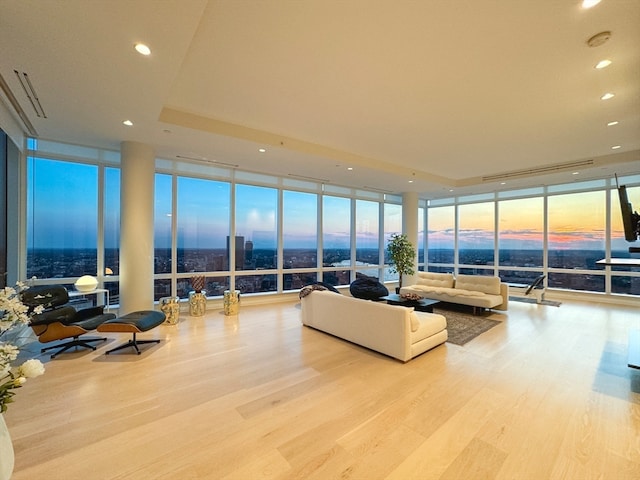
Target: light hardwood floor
[{"x": 544, "y": 395}]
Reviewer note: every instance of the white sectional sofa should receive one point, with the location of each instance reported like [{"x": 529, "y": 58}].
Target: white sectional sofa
[
  {"x": 477, "y": 291},
  {"x": 396, "y": 331}
]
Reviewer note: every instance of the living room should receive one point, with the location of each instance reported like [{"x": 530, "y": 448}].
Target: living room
[{"x": 244, "y": 186}]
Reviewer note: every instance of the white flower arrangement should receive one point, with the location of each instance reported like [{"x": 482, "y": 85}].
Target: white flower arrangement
[{"x": 14, "y": 313}]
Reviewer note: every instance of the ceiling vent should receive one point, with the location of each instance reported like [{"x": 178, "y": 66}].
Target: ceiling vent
[
  {"x": 379, "y": 190},
  {"x": 21, "y": 114},
  {"x": 31, "y": 94},
  {"x": 304, "y": 177},
  {"x": 538, "y": 171},
  {"x": 205, "y": 160}
]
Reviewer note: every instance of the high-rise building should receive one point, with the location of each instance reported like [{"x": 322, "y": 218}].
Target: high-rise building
[{"x": 239, "y": 251}]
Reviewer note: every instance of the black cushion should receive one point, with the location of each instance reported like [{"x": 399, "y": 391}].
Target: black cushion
[
  {"x": 47, "y": 296},
  {"x": 144, "y": 319},
  {"x": 367, "y": 288}
]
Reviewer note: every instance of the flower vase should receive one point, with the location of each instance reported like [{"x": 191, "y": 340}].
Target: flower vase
[{"x": 6, "y": 451}]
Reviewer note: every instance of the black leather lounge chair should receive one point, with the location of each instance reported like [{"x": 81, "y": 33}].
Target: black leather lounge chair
[{"x": 60, "y": 321}]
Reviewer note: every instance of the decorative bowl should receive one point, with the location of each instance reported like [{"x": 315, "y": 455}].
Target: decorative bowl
[{"x": 411, "y": 296}]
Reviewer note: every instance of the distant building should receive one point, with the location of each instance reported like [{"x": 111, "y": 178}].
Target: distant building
[
  {"x": 248, "y": 253},
  {"x": 239, "y": 251}
]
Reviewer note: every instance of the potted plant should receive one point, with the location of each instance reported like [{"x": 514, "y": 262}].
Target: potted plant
[{"x": 402, "y": 256}]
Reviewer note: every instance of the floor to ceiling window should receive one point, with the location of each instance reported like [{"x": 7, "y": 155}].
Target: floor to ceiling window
[
  {"x": 476, "y": 238},
  {"x": 521, "y": 239},
  {"x": 256, "y": 238},
  {"x": 111, "y": 231},
  {"x": 576, "y": 238},
  {"x": 336, "y": 240},
  {"x": 621, "y": 280},
  {"x": 560, "y": 231},
  {"x": 299, "y": 238},
  {"x": 265, "y": 234},
  {"x": 202, "y": 232},
  {"x": 367, "y": 236},
  {"x": 62, "y": 219},
  {"x": 441, "y": 241},
  {"x": 392, "y": 225}
]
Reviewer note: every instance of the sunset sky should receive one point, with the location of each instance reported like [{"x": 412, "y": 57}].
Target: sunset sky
[{"x": 576, "y": 221}]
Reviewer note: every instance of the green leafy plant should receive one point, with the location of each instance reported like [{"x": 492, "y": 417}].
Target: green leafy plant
[{"x": 402, "y": 255}]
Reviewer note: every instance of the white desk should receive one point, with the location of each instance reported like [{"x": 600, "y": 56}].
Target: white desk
[
  {"x": 96, "y": 292},
  {"x": 619, "y": 262}
]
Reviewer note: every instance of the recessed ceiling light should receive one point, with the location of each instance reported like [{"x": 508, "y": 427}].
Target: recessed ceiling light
[
  {"x": 503, "y": 183},
  {"x": 611, "y": 124},
  {"x": 350, "y": 168},
  {"x": 575, "y": 173},
  {"x": 603, "y": 64},
  {"x": 142, "y": 49},
  {"x": 128, "y": 123},
  {"x": 590, "y": 3},
  {"x": 410, "y": 181},
  {"x": 616, "y": 147},
  {"x": 607, "y": 96},
  {"x": 262, "y": 150}
]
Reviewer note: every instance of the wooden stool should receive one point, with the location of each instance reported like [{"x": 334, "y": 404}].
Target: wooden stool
[{"x": 135, "y": 322}]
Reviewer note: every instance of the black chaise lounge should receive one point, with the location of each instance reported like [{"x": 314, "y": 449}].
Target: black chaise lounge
[{"x": 59, "y": 320}]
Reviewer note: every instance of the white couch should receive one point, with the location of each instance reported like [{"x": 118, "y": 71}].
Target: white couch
[
  {"x": 477, "y": 291},
  {"x": 399, "y": 332}
]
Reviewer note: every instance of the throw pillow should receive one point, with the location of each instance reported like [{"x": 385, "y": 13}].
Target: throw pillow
[
  {"x": 307, "y": 289},
  {"x": 367, "y": 288},
  {"x": 328, "y": 286}
]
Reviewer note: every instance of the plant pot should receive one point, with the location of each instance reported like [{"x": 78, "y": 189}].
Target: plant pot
[{"x": 6, "y": 451}]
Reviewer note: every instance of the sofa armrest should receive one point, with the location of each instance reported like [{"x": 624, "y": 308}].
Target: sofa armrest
[{"x": 504, "y": 293}]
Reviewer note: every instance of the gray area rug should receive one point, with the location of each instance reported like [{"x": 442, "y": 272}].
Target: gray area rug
[{"x": 464, "y": 327}]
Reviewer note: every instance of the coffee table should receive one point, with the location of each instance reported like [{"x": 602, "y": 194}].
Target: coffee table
[{"x": 422, "y": 305}]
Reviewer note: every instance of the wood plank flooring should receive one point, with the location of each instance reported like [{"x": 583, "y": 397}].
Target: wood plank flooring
[{"x": 546, "y": 394}]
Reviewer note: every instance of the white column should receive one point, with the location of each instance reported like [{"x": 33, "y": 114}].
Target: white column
[
  {"x": 410, "y": 227},
  {"x": 137, "y": 180}
]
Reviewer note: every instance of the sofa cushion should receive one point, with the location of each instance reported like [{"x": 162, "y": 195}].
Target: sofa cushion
[
  {"x": 425, "y": 290},
  {"x": 478, "y": 283},
  {"x": 367, "y": 288},
  {"x": 444, "y": 280}
]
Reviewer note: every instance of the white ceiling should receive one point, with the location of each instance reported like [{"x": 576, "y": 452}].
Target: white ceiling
[{"x": 441, "y": 92}]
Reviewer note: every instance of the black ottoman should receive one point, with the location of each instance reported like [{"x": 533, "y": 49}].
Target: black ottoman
[{"x": 135, "y": 322}]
